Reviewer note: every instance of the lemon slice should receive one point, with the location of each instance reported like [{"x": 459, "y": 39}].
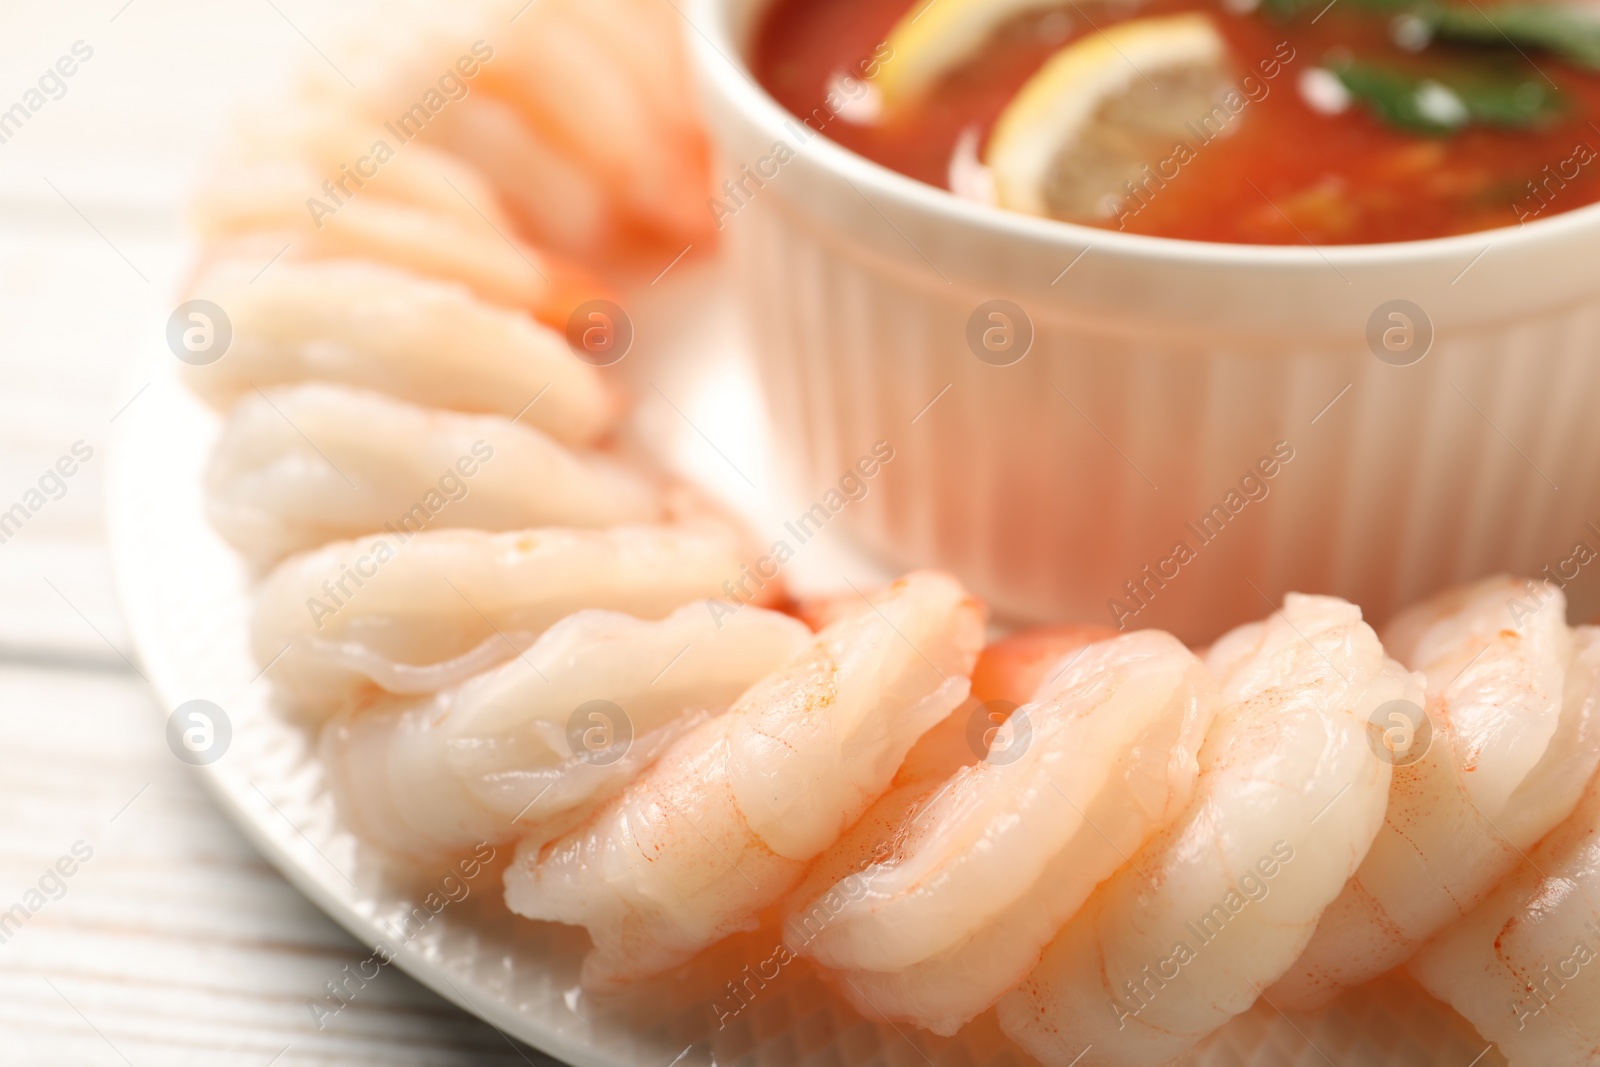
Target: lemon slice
[
  {"x": 937, "y": 36},
  {"x": 1104, "y": 108}
]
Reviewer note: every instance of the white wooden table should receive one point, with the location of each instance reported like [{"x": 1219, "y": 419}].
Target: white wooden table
[{"x": 174, "y": 943}]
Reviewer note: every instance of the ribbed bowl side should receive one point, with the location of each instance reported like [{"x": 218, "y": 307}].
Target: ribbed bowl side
[{"x": 1052, "y": 484}]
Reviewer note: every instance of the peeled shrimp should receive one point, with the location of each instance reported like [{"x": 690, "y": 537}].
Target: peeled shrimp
[
  {"x": 495, "y": 757},
  {"x": 1522, "y": 966},
  {"x": 551, "y": 193},
  {"x": 1220, "y": 903},
  {"x": 1014, "y": 667},
  {"x": 1007, "y": 675},
  {"x": 636, "y": 134},
  {"x": 417, "y": 612},
  {"x": 301, "y": 466},
  {"x": 587, "y": 95},
  {"x": 496, "y": 270},
  {"x": 982, "y": 875},
  {"x": 424, "y": 341},
  {"x": 725, "y": 823},
  {"x": 1515, "y": 738},
  {"x": 286, "y": 188},
  {"x": 274, "y": 161}
]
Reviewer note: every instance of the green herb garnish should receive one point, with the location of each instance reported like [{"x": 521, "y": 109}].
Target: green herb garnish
[
  {"x": 1565, "y": 30},
  {"x": 1568, "y": 32},
  {"x": 1439, "y": 105}
]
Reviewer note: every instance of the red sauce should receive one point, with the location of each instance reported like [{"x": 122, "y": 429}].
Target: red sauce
[{"x": 1286, "y": 174}]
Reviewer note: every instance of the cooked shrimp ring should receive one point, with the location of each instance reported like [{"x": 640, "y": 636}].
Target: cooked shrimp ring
[
  {"x": 1009, "y": 673},
  {"x": 1513, "y": 741},
  {"x": 726, "y": 822},
  {"x": 302, "y": 465},
  {"x": 597, "y": 147},
  {"x": 1521, "y": 966},
  {"x": 420, "y": 340},
  {"x": 1219, "y": 904},
  {"x": 416, "y": 612},
  {"x": 513, "y": 753},
  {"x": 984, "y": 873}
]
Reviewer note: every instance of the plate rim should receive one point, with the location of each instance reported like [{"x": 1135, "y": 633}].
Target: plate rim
[{"x": 228, "y": 789}]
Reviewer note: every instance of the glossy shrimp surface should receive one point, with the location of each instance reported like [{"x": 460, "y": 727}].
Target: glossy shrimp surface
[
  {"x": 428, "y": 342},
  {"x": 1218, "y": 904},
  {"x": 528, "y": 747},
  {"x": 581, "y": 113},
  {"x": 272, "y": 162},
  {"x": 601, "y": 91},
  {"x": 1514, "y": 738},
  {"x": 725, "y": 823},
  {"x": 984, "y": 872},
  {"x": 303, "y": 465},
  {"x": 429, "y": 246},
  {"x": 1007, "y": 675},
  {"x": 285, "y": 191},
  {"x": 1522, "y": 966},
  {"x": 416, "y": 612},
  {"x": 1013, "y": 668}
]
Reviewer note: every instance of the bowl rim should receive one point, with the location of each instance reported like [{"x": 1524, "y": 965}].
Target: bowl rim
[{"x": 722, "y": 65}]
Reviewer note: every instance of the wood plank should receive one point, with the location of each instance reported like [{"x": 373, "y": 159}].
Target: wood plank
[{"x": 173, "y": 943}]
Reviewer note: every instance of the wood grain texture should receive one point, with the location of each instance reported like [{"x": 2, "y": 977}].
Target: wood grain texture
[{"x": 174, "y": 943}]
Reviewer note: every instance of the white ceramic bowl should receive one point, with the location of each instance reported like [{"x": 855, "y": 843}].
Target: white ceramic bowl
[{"x": 1161, "y": 373}]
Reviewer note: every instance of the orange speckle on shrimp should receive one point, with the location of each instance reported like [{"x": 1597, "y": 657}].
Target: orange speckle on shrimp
[{"x": 1012, "y": 667}]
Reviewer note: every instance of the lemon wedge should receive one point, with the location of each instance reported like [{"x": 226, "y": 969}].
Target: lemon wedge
[
  {"x": 1105, "y": 107},
  {"x": 937, "y": 36}
]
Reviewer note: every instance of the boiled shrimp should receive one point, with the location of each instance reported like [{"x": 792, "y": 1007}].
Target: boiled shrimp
[
  {"x": 1006, "y": 676},
  {"x": 585, "y": 97},
  {"x": 1515, "y": 737},
  {"x": 417, "y": 612},
  {"x": 273, "y": 158},
  {"x": 725, "y": 823},
  {"x": 637, "y": 134},
  {"x": 407, "y": 238},
  {"x": 529, "y": 747},
  {"x": 285, "y": 188},
  {"x": 300, "y": 466},
  {"x": 1521, "y": 967},
  {"x": 424, "y": 341},
  {"x": 1218, "y": 904},
  {"x": 981, "y": 876},
  {"x": 1013, "y": 668}
]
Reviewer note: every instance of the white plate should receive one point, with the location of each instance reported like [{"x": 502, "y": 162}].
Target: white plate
[{"x": 187, "y": 601}]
